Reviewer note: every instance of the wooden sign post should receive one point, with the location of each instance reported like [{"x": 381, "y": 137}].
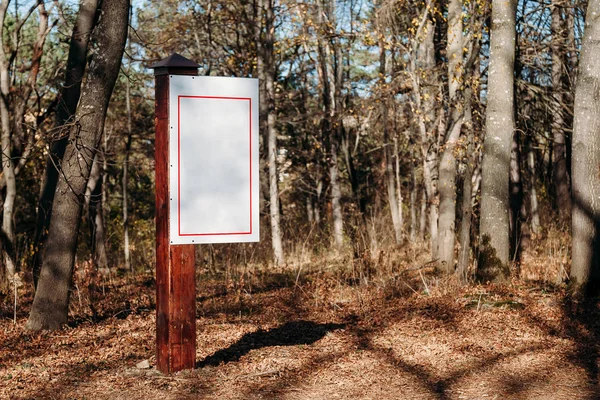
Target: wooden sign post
[
  {"x": 206, "y": 189},
  {"x": 175, "y": 265}
]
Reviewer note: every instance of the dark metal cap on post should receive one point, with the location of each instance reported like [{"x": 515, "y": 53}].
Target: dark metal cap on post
[{"x": 175, "y": 64}]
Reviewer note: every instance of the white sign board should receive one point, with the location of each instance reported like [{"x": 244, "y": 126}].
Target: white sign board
[{"x": 213, "y": 160}]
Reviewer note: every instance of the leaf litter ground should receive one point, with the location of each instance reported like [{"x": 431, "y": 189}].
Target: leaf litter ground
[{"x": 316, "y": 336}]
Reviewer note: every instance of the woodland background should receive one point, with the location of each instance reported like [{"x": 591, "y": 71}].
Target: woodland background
[{"x": 414, "y": 154}]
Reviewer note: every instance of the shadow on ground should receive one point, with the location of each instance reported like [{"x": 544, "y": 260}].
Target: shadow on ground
[
  {"x": 583, "y": 326},
  {"x": 290, "y": 334}
]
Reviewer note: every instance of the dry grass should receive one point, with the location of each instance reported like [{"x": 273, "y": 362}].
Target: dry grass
[{"x": 323, "y": 327}]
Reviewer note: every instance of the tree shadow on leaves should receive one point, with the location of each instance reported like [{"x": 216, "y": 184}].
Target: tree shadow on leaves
[
  {"x": 290, "y": 334},
  {"x": 581, "y": 308},
  {"x": 583, "y": 326}
]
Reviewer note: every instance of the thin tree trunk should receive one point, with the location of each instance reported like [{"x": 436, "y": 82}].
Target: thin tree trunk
[
  {"x": 423, "y": 216},
  {"x": 128, "y": 142},
  {"x": 429, "y": 141},
  {"x": 447, "y": 182},
  {"x": 93, "y": 199},
  {"x": 50, "y": 304},
  {"x": 500, "y": 126},
  {"x": 472, "y": 77},
  {"x": 309, "y": 210},
  {"x": 432, "y": 200},
  {"x": 466, "y": 210},
  {"x": 398, "y": 185},
  {"x": 533, "y": 200},
  {"x": 267, "y": 72},
  {"x": 387, "y": 152},
  {"x": 349, "y": 161},
  {"x": 8, "y": 167},
  {"x": 516, "y": 198},
  {"x": 390, "y": 179},
  {"x": 317, "y": 207},
  {"x": 269, "y": 48},
  {"x": 559, "y": 151},
  {"x": 413, "y": 206},
  {"x": 124, "y": 183},
  {"x": 586, "y": 160},
  {"x": 336, "y": 197},
  {"x": 330, "y": 82}
]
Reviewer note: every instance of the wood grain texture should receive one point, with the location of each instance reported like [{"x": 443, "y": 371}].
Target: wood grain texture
[{"x": 175, "y": 265}]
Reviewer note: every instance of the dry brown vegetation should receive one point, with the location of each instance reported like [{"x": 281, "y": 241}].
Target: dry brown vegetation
[{"x": 328, "y": 328}]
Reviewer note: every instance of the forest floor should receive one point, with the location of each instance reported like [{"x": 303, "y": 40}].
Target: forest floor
[{"x": 303, "y": 332}]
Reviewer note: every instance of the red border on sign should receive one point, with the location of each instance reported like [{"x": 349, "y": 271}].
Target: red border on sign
[{"x": 179, "y": 163}]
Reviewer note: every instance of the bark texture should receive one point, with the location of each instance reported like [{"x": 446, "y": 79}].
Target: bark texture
[
  {"x": 388, "y": 158},
  {"x": 559, "y": 152},
  {"x": 264, "y": 32},
  {"x": 271, "y": 73},
  {"x": 466, "y": 209},
  {"x": 447, "y": 183},
  {"x": 586, "y": 159},
  {"x": 50, "y": 304},
  {"x": 534, "y": 209},
  {"x": 67, "y": 104},
  {"x": 500, "y": 126},
  {"x": 330, "y": 74},
  {"x": 124, "y": 183},
  {"x": 425, "y": 101},
  {"x": 94, "y": 195}
]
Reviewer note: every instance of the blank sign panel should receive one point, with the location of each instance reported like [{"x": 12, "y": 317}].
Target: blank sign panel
[{"x": 213, "y": 160}]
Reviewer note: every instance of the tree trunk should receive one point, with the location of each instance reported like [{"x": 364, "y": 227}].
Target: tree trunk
[
  {"x": 267, "y": 72},
  {"x": 423, "y": 216},
  {"x": 466, "y": 210},
  {"x": 447, "y": 182},
  {"x": 398, "y": 186},
  {"x": 559, "y": 151},
  {"x": 317, "y": 207},
  {"x": 390, "y": 179},
  {"x": 68, "y": 99},
  {"x": 387, "y": 153},
  {"x": 533, "y": 200},
  {"x": 429, "y": 173},
  {"x": 124, "y": 183},
  {"x": 51, "y": 301},
  {"x": 516, "y": 198},
  {"x": 429, "y": 140},
  {"x": 271, "y": 74},
  {"x": 93, "y": 197},
  {"x": 586, "y": 159},
  {"x": 500, "y": 126},
  {"x": 330, "y": 82},
  {"x": 336, "y": 198},
  {"x": 8, "y": 167},
  {"x": 414, "y": 190}
]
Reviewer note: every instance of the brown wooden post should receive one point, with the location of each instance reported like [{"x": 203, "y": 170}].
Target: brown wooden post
[{"x": 175, "y": 264}]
